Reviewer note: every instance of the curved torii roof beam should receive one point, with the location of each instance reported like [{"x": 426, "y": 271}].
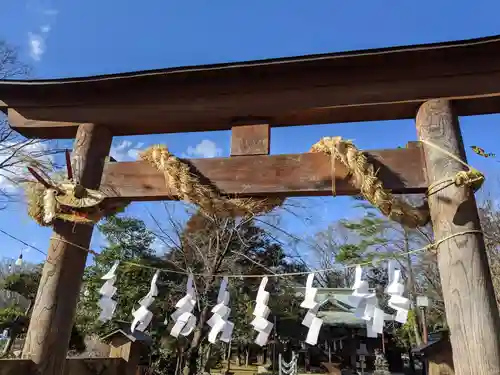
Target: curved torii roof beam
[{"x": 377, "y": 84}]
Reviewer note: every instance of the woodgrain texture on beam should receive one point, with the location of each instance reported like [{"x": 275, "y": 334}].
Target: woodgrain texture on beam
[
  {"x": 382, "y": 84},
  {"x": 309, "y": 174}
]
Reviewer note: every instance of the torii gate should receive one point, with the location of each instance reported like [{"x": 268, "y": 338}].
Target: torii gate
[{"x": 435, "y": 82}]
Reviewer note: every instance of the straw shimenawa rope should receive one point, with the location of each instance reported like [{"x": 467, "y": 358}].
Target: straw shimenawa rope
[
  {"x": 185, "y": 185},
  {"x": 364, "y": 177}
]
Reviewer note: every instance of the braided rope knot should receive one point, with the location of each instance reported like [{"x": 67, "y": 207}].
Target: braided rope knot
[{"x": 472, "y": 178}]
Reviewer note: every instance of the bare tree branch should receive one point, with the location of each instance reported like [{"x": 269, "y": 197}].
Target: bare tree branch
[{"x": 17, "y": 152}]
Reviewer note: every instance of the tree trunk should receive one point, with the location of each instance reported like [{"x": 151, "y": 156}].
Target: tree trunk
[
  {"x": 208, "y": 354},
  {"x": 307, "y": 364},
  {"x": 192, "y": 354},
  {"x": 178, "y": 362},
  {"x": 228, "y": 367}
]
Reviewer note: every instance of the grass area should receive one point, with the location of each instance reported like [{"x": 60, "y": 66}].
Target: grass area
[{"x": 235, "y": 369}]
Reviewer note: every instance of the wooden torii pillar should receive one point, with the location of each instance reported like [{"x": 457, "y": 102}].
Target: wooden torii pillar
[
  {"x": 471, "y": 308},
  {"x": 53, "y": 313}
]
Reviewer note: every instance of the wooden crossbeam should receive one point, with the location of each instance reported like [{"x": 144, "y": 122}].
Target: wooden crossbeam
[
  {"x": 383, "y": 84},
  {"x": 309, "y": 174}
]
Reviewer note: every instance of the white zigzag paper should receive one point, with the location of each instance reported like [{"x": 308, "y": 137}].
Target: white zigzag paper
[
  {"x": 142, "y": 316},
  {"x": 366, "y": 305},
  {"x": 107, "y": 291},
  {"x": 185, "y": 321},
  {"x": 219, "y": 320},
  {"x": 261, "y": 312},
  {"x": 311, "y": 320},
  {"x": 399, "y": 303}
]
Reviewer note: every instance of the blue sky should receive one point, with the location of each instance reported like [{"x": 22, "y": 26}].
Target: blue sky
[{"x": 81, "y": 38}]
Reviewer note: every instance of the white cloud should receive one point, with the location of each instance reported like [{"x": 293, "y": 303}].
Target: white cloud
[
  {"x": 36, "y": 45},
  {"x": 133, "y": 153},
  {"x": 204, "y": 149},
  {"x": 126, "y": 150},
  {"x": 118, "y": 150},
  {"x": 44, "y": 15}
]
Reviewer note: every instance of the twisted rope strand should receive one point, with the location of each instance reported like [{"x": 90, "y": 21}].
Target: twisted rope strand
[{"x": 188, "y": 187}]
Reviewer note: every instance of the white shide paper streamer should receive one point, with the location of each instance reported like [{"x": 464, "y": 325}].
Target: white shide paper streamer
[
  {"x": 311, "y": 321},
  {"x": 366, "y": 305},
  {"x": 107, "y": 291},
  {"x": 185, "y": 321},
  {"x": 219, "y": 320},
  {"x": 142, "y": 316},
  {"x": 261, "y": 312},
  {"x": 399, "y": 303}
]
